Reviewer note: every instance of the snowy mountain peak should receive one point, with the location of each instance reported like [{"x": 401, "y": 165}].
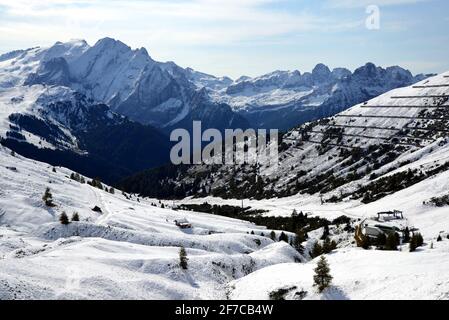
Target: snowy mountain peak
[{"x": 321, "y": 73}]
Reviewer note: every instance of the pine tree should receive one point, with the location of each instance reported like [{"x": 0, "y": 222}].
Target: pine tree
[
  {"x": 329, "y": 245},
  {"x": 283, "y": 237},
  {"x": 419, "y": 240},
  {"x": 75, "y": 216},
  {"x": 13, "y": 153},
  {"x": 325, "y": 232},
  {"x": 413, "y": 243},
  {"x": 317, "y": 250},
  {"x": 112, "y": 191},
  {"x": 392, "y": 242},
  {"x": 439, "y": 238},
  {"x": 273, "y": 236},
  {"x": 406, "y": 235},
  {"x": 322, "y": 278},
  {"x": 252, "y": 232},
  {"x": 297, "y": 243},
  {"x": 183, "y": 258},
  {"x": 48, "y": 198},
  {"x": 381, "y": 239},
  {"x": 63, "y": 218}
]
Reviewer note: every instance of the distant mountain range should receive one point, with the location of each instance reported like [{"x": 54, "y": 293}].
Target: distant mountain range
[
  {"x": 106, "y": 110},
  {"x": 284, "y": 99}
]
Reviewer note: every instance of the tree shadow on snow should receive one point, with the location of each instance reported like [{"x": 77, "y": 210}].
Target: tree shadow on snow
[{"x": 334, "y": 293}]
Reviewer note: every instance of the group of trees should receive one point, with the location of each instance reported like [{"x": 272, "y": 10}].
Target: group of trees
[
  {"x": 319, "y": 249},
  {"x": 77, "y": 177},
  {"x": 416, "y": 241},
  {"x": 94, "y": 182},
  {"x": 64, "y": 219}
]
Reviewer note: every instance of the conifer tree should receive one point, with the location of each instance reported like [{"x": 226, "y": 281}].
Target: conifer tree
[
  {"x": 439, "y": 238},
  {"x": 183, "y": 258},
  {"x": 413, "y": 243},
  {"x": 273, "y": 236},
  {"x": 392, "y": 242},
  {"x": 381, "y": 240},
  {"x": 317, "y": 250},
  {"x": 63, "y": 218},
  {"x": 75, "y": 217},
  {"x": 406, "y": 235},
  {"x": 419, "y": 239},
  {"x": 297, "y": 243},
  {"x": 283, "y": 237},
  {"x": 48, "y": 198},
  {"x": 322, "y": 278}
]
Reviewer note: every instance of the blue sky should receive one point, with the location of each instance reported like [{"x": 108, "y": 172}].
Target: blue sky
[{"x": 243, "y": 37}]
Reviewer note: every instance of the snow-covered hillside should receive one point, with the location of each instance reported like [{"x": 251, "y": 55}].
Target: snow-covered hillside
[
  {"x": 130, "y": 250},
  {"x": 358, "y": 275}
]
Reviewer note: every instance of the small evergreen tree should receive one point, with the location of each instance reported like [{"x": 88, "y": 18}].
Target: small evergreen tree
[
  {"x": 75, "y": 217},
  {"x": 273, "y": 236},
  {"x": 392, "y": 242},
  {"x": 283, "y": 237},
  {"x": 54, "y": 169},
  {"x": 48, "y": 198},
  {"x": 13, "y": 153},
  {"x": 112, "y": 191},
  {"x": 183, "y": 258},
  {"x": 381, "y": 240},
  {"x": 329, "y": 245},
  {"x": 419, "y": 240},
  {"x": 439, "y": 238},
  {"x": 325, "y": 232},
  {"x": 297, "y": 243},
  {"x": 252, "y": 232},
  {"x": 413, "y": 244},
  {"x": 322, "y": 278},
  {"x": 406, "y": 235},
  {"x": 317, "y": 250},
  {"x": 63, "y": 218}
]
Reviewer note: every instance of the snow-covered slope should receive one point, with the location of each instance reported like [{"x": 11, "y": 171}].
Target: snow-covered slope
[
  {"x": 358, "y": 275},
  {"x": 130, "y": 250}
]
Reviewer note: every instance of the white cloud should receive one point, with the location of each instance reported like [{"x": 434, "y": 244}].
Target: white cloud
[
  {"x": 364, "y": 3},
  {"x": 186, "y": 21}
]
